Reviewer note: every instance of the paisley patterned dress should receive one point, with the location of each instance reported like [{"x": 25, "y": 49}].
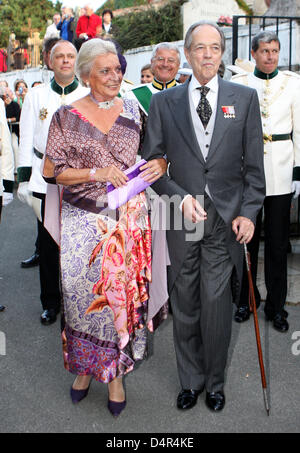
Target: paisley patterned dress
[{"x": 105, "y": 256}]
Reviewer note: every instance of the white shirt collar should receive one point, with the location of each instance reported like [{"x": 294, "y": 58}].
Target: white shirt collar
[{"x": 213, "y": 84}]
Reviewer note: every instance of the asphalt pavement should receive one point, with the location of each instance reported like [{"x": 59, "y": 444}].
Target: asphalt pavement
[{"x": 34, "y": 386}]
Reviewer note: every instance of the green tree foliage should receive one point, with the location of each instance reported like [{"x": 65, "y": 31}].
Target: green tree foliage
[
  {"x": 150, "y": 26},
  {"x": 243, "y": 5},
  {"x": 14, "y": 15},
  {"x": 119, "y": 4}
]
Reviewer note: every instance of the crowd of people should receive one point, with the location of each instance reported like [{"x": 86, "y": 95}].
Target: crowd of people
[
  {"x": 220, "y": 152},
  {"x": 83, "y": 26}
]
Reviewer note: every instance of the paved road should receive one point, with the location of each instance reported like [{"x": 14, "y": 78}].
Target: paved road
[{"x": 35, "y": 386}]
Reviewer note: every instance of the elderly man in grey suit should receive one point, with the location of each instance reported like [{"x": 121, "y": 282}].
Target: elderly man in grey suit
[{"x": 210, "y": 131}]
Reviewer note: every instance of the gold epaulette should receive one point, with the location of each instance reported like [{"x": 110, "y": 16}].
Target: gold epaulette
[
  {"x": 237, "y": 76},
  {"x": 128, "y": 81},
  {"x": 291, "y": 74}
]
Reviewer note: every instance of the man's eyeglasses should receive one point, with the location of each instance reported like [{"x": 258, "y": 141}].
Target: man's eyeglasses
[{"x": 168, "y": 60}]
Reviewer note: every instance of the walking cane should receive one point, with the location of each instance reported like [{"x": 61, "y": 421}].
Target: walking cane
[{"x": 252, "y": 304}]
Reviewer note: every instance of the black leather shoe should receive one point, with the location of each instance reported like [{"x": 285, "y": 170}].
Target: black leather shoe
[
  {"x": 215, "y": 401},
  {"x": 270, "y": 317},
  {"x": 48, "y": 317},
  {"x": 32, "y": 261},
  {"x": 187, "y": 398},
  {"x": 2, "y": 308},
  {"x": 242, "y": 314},
  {"x": 280, "y": 323}
]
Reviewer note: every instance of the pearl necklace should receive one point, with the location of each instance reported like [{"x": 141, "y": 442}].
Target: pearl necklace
[{"x": 106, "y": 105}]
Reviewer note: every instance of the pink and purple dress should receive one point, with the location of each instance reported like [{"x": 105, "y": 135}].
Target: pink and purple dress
[{"x": 105, "y": 260}]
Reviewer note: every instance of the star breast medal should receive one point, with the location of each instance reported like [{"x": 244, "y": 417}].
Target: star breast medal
[
  {"x": 43, "y": 113},
  {"x": 228, "y": 111}
]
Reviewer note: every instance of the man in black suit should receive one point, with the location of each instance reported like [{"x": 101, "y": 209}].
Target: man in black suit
[{"x": 210, "y": 131}]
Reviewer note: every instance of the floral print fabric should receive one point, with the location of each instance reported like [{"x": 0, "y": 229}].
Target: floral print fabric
[{"x": 106, "y": 268}]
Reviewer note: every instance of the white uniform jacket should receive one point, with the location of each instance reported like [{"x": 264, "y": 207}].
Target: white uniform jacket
[
  {"x": 39, "y": 106},
  {"x": 279, "y": 100},
  {"x": 6, "y": 153}
]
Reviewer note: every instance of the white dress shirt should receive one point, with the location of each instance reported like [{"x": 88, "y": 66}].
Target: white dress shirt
[{"x": 203, "y": 135}]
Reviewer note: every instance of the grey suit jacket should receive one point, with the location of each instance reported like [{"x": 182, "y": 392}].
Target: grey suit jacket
[{"x": 233, "y": 169}]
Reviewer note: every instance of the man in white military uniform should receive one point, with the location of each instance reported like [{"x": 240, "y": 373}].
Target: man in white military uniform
[
  {"x": 40, "y": 104},
  {"x": 6, "y": 160},
  {"x": 6, "y": 164},
  {"x": 279, "y": 96}
]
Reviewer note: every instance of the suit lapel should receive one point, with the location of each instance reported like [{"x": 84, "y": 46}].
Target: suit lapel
[
  {"x": 226, "y": 97},
  {"x": 180, "y": 109}
]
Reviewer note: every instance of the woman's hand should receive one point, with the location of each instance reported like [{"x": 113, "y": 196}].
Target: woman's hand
[
  {"x": 154, "y": 169},
  {"x": 111, "y": 174}
]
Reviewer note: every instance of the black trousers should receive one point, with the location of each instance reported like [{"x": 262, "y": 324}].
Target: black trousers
[
  {"x": 48, "y": 265},
  {"x": 0, "y": 206},
  {"x": 276, "y": 228},
  {"x": 201, "y": 302}
]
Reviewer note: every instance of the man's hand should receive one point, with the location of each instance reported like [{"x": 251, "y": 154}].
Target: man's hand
[
  {"x": 154, "y": 169},
  {"x": 24, "y": 194},
  {"x": 243, "y": 228},
  {"x": 192, "y": 210},
  {"x": 296, "y": 188}
]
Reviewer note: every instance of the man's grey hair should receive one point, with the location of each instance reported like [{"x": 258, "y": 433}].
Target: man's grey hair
[
  {"x": 165, "y": 45},
  {"x": 59, "y": 42},
  {"x": 264, "y": 36},
  {"x": 89, "y": 51},
  {"x": 189, "y": 38},
  {"x": 89, "y": 5}
]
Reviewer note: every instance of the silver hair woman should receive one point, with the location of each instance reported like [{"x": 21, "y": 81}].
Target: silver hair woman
[{"x": 105, "y": 263}]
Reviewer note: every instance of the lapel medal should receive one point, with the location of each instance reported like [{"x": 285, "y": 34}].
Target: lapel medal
[
  {"x": 43, "y": 113},
  {"x": 228, "y": 111}
]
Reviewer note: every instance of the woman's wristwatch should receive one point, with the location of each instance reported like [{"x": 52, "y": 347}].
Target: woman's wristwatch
[{"x": 92, "y": 175}]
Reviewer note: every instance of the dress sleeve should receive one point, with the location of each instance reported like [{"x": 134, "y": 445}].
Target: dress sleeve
[{"x": 57, "y": 148}]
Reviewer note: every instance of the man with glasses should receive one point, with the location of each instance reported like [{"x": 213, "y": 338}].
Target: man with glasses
[{"x": 165, "y": 62}]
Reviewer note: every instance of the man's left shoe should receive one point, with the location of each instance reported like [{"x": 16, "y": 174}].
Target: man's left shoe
[
  {"x": 2, "y": 308},
  {"x": 215, "y": 401},
  {"x": 280, "y": 323},
  {"x": 48, "y": 317}
]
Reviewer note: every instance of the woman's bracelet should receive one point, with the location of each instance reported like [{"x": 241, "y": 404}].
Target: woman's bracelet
[{"x": 92, "y": 175}]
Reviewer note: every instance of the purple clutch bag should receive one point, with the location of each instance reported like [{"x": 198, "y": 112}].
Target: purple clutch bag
[{"x": 117, "y": 196}]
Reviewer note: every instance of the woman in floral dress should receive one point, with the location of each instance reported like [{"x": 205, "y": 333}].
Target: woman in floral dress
[{"x": 105, "y": 256}]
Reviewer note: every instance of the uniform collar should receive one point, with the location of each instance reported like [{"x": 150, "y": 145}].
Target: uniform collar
[
  {"x": 264, "y": 76},
  {"x": 163, "y": 86},
  {"x": 66, "y": 90}
]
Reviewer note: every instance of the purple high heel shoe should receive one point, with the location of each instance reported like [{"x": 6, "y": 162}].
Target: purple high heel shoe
[
  {"x": 116, "y": 408},
  {"x": 78, "y": 395}
]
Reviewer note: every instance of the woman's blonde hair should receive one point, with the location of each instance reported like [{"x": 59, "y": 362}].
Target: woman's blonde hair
[{"x": 89, "y": 51}]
